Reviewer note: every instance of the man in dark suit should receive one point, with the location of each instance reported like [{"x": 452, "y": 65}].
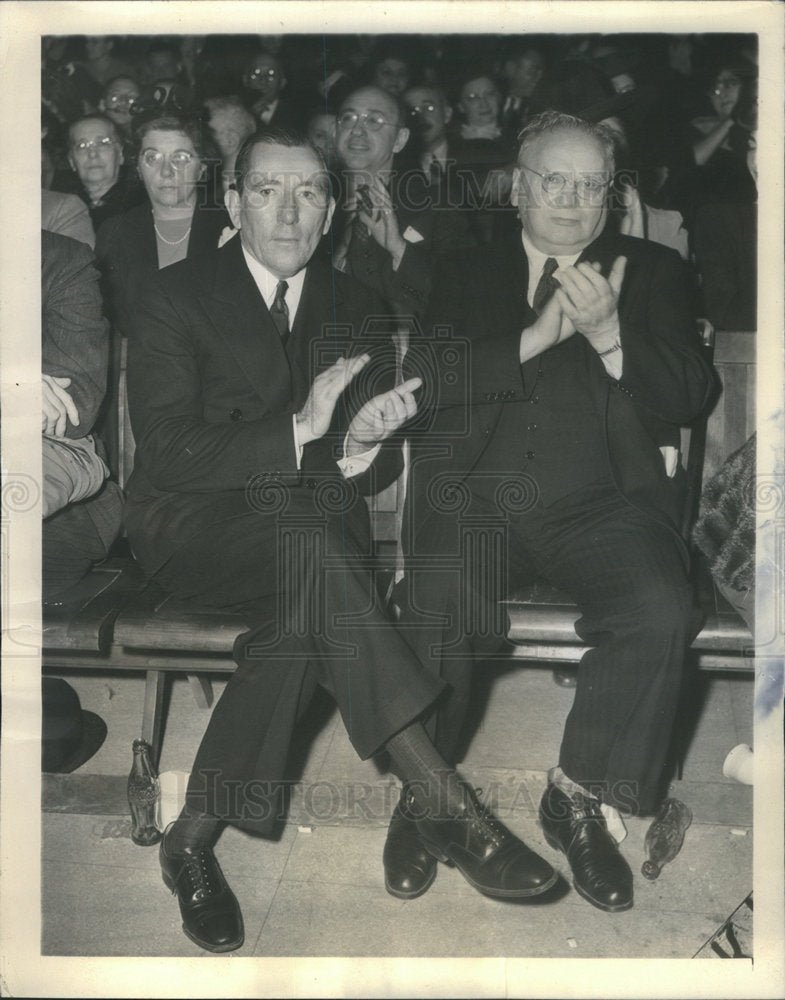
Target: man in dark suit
[
  {"x": 543, "y": 457},
  {"x": 386, "y": 232},
  {"x": 251, "y": 457}
]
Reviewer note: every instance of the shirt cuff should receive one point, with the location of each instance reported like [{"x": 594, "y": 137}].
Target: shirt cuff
[
  {"x": 298, "y": 450},
  {"x": 355, "y": 464},
  {"x": 614, "y": 363}
]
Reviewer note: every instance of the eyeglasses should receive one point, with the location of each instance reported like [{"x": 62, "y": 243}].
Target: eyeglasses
[
  {"x": 372, "y": 120},
  {"x": 269, "y": 73},
  {"x": 588, "y": 187},
  {"x": 418, "y": 109},
  {"x": 116, "y": 99},
  {"x": 102, "y": 142},
  {"x": 726, "y": 83},
  {"x": 179, "y": 159}
]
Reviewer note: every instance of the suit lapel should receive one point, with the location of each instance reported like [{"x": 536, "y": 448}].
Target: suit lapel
[
  {"x": 241, "y": 318},
  {"x": 315, "y": 343}
]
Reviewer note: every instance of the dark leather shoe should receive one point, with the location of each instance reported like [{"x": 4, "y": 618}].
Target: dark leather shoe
[
  {"x": 488, "y": 856},
  {"x": 574, "y": 824},
  {"x": 211, "y": 914},
  {"x": 409, "y": 869}
]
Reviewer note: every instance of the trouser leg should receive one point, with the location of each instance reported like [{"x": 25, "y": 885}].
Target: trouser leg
[
  {"x": 323, "y": 621},
  {"x": 627, "y": 574}
]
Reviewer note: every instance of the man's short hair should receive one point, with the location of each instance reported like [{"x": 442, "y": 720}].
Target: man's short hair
[
  {"x": 552, "y": 121},
  {"x": 288, "y": 137},
  {"x": 98, "y": 116}
]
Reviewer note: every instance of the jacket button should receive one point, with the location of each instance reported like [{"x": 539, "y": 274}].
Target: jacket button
[
  {"x": 236, "y": 415},
  {"x": 530, "y": 454},
  {"x": 310, "y": 484},
  {"x": 534, "y": 399},
  {"x": 532, "y": 427}
]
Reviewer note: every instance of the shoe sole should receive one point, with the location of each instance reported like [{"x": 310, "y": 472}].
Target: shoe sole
[
  {"x": 489, "y": 890},
  {"x": 411, "y": 895},
  {"x": 215, "y": 948},
  {"x": 606, "y": 907}
]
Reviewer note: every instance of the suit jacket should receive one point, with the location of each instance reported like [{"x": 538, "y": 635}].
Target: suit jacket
[
  {"x": 212, "y": 391},
  {"x": 74, "y": 333},
  {"x": 429, "y": 234},
  {"x": 480, "y": 298},
  {"x": 66, "y": 214},
  {"x": 128, "y": 255}
]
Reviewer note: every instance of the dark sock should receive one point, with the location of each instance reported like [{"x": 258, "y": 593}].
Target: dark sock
[
  {"x": 436, "y": 787},
  {"x": 196, "y": 831}
]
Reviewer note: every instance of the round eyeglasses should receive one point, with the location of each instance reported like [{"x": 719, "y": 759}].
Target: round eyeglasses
[
  {"x": 372, "y": 120},
  {"x": 589, "y": 187},
  {"x": 116, "y": 99},
  {"x": 101, "y": 142},
  {"x": 417, "y": 109},
  {"x": 255, "y": 74},
  {"x": 179, "y": 159}
]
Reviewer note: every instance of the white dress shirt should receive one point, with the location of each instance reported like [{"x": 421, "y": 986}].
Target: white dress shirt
[
  {"x": 536, "y": 258},
  {"x": 267, "y": 283}
]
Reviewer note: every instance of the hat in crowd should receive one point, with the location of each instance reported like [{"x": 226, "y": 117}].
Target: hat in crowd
[
  {"x": 584, "y": 91},
  {"x": 69, "y": 735}
]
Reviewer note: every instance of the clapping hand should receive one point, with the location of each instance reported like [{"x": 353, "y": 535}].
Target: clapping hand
[
  {"x": 382, "y": 416},
  {"x": 314, "y": 420}
]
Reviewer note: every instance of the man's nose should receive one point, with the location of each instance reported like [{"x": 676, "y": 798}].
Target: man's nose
[
  {"x": 287, "y": 213},
  {"x": 166, "y": 167},
  {"x": 568, "y": 196},
  {"x": 92, "y": 151}
]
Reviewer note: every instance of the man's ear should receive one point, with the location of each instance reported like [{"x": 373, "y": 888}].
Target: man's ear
[
  {"x": 447, "y": 114},
  {"x": 516, "y": 180},
  {"x": 329, "y": 219},
  {"x": 401, "y": 139},
  {"x": 232, "y": 202}
]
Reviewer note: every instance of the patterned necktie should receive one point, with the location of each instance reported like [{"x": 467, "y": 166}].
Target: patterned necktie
[
  {"x": 546, "y": 286},
  {"x": 280, "y": 311}
]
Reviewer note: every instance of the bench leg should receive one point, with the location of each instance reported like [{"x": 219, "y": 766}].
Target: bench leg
[
  {"x": 202, "y": 689},
  {"x": 152, "y": 717}
]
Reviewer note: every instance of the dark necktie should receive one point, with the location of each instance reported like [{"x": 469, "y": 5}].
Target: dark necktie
[
  {"x": 280, "y": 311},
  {"x": 546, "y": 286}
]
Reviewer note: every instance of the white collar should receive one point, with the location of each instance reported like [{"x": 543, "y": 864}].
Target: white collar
[{"x": 267, "y": 283}]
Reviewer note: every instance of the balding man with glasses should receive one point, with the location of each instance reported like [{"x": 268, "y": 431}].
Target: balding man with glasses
[
  {"x": 386, "y": 233},
  {"x": 580, "y": 361}
]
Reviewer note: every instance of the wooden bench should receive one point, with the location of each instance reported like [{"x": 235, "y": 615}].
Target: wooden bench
[{"x": 115, "y": 621}]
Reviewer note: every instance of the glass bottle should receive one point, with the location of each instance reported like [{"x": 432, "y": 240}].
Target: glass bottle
[
  {"x": 143, "y": 793},
  {"x": 665, "y": 836}
]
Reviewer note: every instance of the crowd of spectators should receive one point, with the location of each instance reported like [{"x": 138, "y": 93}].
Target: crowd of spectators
[{"x": 684, "y": 108}]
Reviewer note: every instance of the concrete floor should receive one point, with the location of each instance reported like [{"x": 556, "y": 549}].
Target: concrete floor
[{"x": 319, "y": 891}]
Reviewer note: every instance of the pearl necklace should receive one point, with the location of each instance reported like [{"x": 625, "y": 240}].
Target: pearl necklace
[{"x": 171, "y": 243}]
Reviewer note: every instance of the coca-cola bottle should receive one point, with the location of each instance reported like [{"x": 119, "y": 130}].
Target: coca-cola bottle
[
  {"x": 665, "y": 836},
  {"x": 143, "y": 793}
]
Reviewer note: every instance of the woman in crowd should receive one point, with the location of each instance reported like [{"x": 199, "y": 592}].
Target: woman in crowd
[
  {"x": 98, "y": 173},
  {"x": 177, "y": 220},
  {"x": 482, "y": 148}
]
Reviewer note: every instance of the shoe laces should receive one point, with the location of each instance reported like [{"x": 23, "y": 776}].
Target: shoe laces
[
  {"x": 196, "y": 871},
  {"x": 483, "y": 820}
]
